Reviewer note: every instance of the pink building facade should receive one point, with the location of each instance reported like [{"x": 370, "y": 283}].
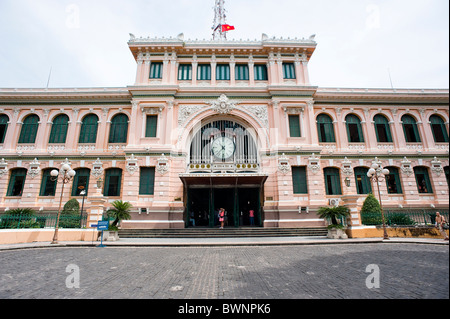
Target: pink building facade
[{"x": 232, "y": 124}]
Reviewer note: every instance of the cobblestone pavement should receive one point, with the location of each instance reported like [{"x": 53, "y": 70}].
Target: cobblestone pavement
[{"x": 288, "y": 272}]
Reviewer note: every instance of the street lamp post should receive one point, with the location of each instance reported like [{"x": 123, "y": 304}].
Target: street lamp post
[
  {"x": 377, "y": 174},
  {"x": 82, "y": 193},
  {"x": 67, "y": 174}
]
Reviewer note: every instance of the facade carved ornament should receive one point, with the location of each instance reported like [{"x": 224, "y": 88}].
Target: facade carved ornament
[
  {"x": 283, "y": 164},
  {"x": 223, "y": 105},
  {"x": 347, "y": 169},
  {"x": 132, "y": 165},
  {"x": 436, "y": 166},
  {"x": 314, "y": 163},
  {"x": 97, "y": 168},
  {"x": 406, "y": 167},
  {"x": 34, "y": 169},
  {"x": 163, "y": 165},
  {"x": 3, "y": 168}
]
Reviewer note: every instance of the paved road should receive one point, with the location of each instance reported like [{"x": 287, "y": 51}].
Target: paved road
[{"x": 285, "y": 272}]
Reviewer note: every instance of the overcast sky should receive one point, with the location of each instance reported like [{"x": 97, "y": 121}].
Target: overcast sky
[{"x": 360, "y": 42}]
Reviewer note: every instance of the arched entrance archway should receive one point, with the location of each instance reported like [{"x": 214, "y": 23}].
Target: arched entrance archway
[{"x": 223, "y": 172}]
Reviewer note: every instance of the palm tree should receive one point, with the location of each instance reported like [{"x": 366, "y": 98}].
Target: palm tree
[
  {"x": 333, "y": 213},
  {"x": 121, "y": 211}
]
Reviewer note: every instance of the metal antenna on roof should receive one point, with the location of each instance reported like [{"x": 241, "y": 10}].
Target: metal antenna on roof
[{"x": 220, "y": 18}]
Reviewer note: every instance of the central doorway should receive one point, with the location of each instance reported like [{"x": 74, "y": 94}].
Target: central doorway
[{"x": 203, "y": 206}]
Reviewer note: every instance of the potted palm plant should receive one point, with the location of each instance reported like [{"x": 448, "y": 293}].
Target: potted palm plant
[
  {"x": 335, "y": 230},
  {"x": 120, "y": 211}
]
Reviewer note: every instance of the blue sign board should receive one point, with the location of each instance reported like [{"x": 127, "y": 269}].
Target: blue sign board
[{"x": 103, "y": 225}]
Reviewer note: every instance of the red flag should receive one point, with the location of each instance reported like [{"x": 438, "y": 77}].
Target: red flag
[{"x": 227, "y": 27}]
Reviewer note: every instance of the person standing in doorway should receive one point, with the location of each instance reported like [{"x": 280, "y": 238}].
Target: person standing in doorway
[
  {"x": 440, "y": 222},
  {"x": 221, "y": 217},
  {"x": 252, "y": 217}
]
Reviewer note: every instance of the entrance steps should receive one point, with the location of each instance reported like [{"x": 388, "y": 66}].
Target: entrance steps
[{"x": 229, "y": 232}]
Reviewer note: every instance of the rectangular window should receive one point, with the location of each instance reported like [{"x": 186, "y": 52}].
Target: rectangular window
[
  {"x": 299, "y": 180},
  {"x": 113, "y": 181},
  {"x": 185, "y": 72},
  {"x": 147, "y": 181},
  {"x": 17, "y": 182},
  {"x": 204, "y": 72},
  {"x": 156, "y": 69},
  {"x": 363, "y": 185},
  {"x": 151, "y": 126},
  {"x": 289, "y": 71},
  {"x": 48, "y": 187},
  {"x": 260, "y": 72},
  {"x": 393, "y": 183},
  {"x": 332, "y": 181},
  {"x": 294, "y": 125},
  {"x": 223, "y": 72},
  {"x": 422, "y": 180},
  {"x": 242, "y": 72}
]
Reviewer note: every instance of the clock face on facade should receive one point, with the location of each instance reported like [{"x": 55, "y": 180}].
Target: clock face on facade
[{"x": 223, "y": 147}]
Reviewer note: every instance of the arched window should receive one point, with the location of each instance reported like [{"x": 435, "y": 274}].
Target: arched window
[
  {"x": 439, "y": 131},
  {"x": 325, "y": 129},
  {"x": 382, "y": 129},
  {"x": 423, "y": 180},
  {"x": 113, "y": 180},
  {"x": 332, "y": 181},
  {"x": 48, "y": 186},
  {"x": 410, "y": 129},
  {"x": 393, "y": 183},
  {"x": 29, "y": 130},
  {"x": 363, "y": 185},
  {"x": 89, "y": 126},
  {"x": 58, "y": 133},
  {"x": 17, "y": 182},
  {"x": 81, "y": 181},
  {"x": 354, "y": 129},
  {"x": 119, "y": 129},
  {"x": 4, "y": 119}
]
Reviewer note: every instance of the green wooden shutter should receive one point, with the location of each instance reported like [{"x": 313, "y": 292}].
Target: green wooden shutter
[
  {"x": 242, "y": 72},
  {"x": 260, "y": 72},
  {"x": 113, "y": 182},
  {"x": 410, "y": 129},
  {"x": 156, "y": 69},
  {"x": 204, "y": 72},
  {"x": 382, "y": 129},
  {"x": 325, "y": 129},
  {"x": 48, "y": 187},
  {"x": 393, "y": 183},
  {"x": 223, "y": 72},
  {"x": 81, "y": 179},
  {"x": 294, "y": 125},
  {"x": 89, "y": 128},
  {"x": 151, "y": 126},
  {"x": 289, "y": 71},
  {"x": 423, "y": 180},
  {"x": 29, "y": 130},
  {"x": 185, "y": 72},
  {"x": 363, "y": 185},
  {"x": 17, "y": 182},
  {"x": 332, "y": 181},
  {"x": 439, "y": 130},
  {"x": 4, "y": 119},
  {"x": 58, "y": 133},
  {"x": 119, "y": 129},
  {"x": 147, "y": 181},
  {"x": 299, "y": 180},
  {"x": 354, "y": 129}
]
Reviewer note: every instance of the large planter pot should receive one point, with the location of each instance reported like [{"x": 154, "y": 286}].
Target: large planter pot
[
  {"x": 336, "y": 233},
  {"x": 110, "y": 235}
]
